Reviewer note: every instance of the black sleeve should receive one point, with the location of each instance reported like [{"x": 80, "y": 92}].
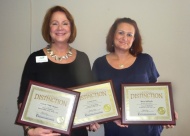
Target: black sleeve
[
  {"x": 83, "y": 69},
  {"x": 95, "y": 70},
  {"x": 27, "y": 75}
]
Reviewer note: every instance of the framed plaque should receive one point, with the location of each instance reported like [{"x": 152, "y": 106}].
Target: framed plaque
[
  {"x": 150, "y": 103},
  {"x": 97, "y": 103},
  {"x": 48, "y": 107}
]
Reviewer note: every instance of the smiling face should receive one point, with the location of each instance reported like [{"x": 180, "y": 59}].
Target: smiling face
[
  {"x": 60, "y": 29},
  {"x": 124, "y": 36}
]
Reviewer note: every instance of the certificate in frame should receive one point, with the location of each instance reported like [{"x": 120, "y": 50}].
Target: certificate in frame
[
  {"x": 148, "y": 103},
  {"x": 97, "y": 103},
  {"x": 48, "y": 107}
]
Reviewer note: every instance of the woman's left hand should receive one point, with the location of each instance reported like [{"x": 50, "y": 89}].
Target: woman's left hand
[
  {"x": 93, "y": 127},
  {"x": 171, "y": 126}
]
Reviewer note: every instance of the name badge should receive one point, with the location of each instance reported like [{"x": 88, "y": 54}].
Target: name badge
[{"x": 40, "y": 59}]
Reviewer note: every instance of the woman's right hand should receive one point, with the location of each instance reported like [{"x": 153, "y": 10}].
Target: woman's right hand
[
  {"x": 118, "y": 122},
  {"x": 42, "y": 132}
]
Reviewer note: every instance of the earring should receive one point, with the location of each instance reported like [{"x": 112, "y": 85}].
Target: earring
[{"x": 131, "y": 49}]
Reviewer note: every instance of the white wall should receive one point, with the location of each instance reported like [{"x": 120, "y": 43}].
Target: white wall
[
  {"x": 15, "y": 48},
  {"x": 164, "y": 26}
]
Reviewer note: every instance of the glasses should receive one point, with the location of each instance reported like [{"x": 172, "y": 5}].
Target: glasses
[{"x": 127, "y": 34}]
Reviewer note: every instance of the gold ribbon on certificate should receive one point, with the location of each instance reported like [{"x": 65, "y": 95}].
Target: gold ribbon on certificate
[
  {"x": 97, "y": 103},
  {"x": 147, "y": 104},
  {"x": 50, "y": 107}
]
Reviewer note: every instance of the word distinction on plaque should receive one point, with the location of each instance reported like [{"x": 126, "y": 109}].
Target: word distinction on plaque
[
  {"x": 48, "y": 107},
  {"x": 149, "y": 103},
  {"x": 97, "y": 103}
]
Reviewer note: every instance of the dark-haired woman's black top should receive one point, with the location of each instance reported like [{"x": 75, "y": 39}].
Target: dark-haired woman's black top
[{"x": 143, "y": 70}]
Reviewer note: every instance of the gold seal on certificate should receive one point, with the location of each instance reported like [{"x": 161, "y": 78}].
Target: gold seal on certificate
[
  {"x": 107, "y": 108},
  {"x": 49, "y": 107},
  {"x": 149, "y": 103},
  {"x": 60, "y": 120},
  {"x": 97, "y": 103},
  {"x": 161, "y": 110}
]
